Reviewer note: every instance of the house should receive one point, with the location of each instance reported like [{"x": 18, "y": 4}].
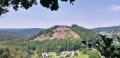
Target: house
[
  {"x": 72, "y": 53},
  {"x": 77, "y": 51},
  {"x": 44, "y": 54},
  {"x": 115, "y": 42}
]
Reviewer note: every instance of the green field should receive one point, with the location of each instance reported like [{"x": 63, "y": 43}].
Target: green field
[{"x": 79, "y": 56}]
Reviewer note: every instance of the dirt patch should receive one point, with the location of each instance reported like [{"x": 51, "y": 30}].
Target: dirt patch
[{"x": 59, "y": 32}]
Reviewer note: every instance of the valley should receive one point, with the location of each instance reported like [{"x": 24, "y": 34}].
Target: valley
[{"x": 55, "y": 42}]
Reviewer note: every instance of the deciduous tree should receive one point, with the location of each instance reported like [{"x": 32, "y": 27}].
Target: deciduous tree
[{"x": 26, "y": 4}]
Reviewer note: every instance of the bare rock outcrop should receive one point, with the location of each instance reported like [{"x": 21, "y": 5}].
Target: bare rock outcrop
[{"x": 59, "y": 32}]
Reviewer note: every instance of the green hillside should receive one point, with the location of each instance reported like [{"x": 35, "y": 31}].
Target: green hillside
[
  {"x": 45, "y": 31},
  {"x": 8, "y": 35},
  {"x": 24, "y": 31},
  {"x": 112, "y": 30},
  {"x": 85, "y": 34}
]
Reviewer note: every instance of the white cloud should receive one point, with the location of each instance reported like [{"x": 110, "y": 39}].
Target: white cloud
[
  {"x": 114, "y": 8},
  {"x": 99, "y": 10},
  {"x": 109, "y": 8}
]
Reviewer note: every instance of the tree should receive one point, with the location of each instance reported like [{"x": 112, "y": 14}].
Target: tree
[
  {"x": 26, "y": 4},
  {"x": 58, "y": 50},
  {"x": 106, "y": 48}
]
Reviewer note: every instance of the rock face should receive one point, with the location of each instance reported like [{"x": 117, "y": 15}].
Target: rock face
[{"x": 60, "y": 32}]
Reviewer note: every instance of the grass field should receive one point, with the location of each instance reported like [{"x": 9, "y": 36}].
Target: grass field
[{"x": 79, "y": 56}]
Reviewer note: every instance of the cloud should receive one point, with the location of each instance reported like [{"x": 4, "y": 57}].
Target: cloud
[
  {"x": 99, "y": 10},
  {"x": 114, "y": 8},
  {"x": 109, "y": 8}
]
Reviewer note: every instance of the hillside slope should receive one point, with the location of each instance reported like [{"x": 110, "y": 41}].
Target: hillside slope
[
  {"x": 72, "y": 32},
  {"x": 60, "y": 32},
  {"x": 84, "y": 33},
  {"x": 8, "y": 35},
  {"x": 114, "y": 30},
  {"x": 24, "y": 31}
]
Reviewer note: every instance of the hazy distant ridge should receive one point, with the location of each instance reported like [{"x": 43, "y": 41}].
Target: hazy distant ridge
[
  {"x": 113, "y": 29},
  {"x": 24, "y": 31}
]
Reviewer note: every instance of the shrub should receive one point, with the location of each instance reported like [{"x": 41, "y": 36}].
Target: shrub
[{"x": 94, "y": 54}]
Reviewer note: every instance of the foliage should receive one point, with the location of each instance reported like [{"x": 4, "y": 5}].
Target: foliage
[
  {"x": 59, "y": 47},
  {"x": 26, "y": 47},
  {"x": 111, "y": 30},
  {"x": 12, "y": 52},
  {"x": 106, "y": 48},
  {"x": 85, "y": 34},
  {"x": 94, "y": 54},
  {"x": 8, "y": 35},
  {"x": 87, "y": 44},
  {"x": 55, "y": 45},
  {"x": 26, "y": 4},
  {"x": 45, "y": 31},
  {"x": 23, "y": 31},
  {"x": 85, "y": 50}
]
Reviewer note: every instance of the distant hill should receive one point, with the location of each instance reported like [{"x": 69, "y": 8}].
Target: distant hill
[
  {"x": 114, "y": 30},
  {"x": 84, "y": 33},
  {"x": 59, "y": 31},
  {"x": 8, "y": 35},
  {"x": 26, "y": 31}
]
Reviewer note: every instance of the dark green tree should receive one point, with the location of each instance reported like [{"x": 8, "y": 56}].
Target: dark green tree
[
  {"x": 106, "y": 48},
  {"x": 26, "y": 4}
]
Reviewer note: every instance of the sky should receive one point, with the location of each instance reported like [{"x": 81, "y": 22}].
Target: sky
[{"x": 85, "y": 13}]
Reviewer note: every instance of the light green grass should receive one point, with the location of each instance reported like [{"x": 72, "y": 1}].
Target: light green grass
[
  {"x": 52, "y": 56},
  {"x": 79, "y": 56}
]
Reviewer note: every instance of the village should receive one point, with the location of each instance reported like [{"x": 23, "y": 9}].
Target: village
[{"x": 64, "y": 54}]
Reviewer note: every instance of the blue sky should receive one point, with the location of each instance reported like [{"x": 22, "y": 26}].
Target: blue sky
[{"x": 85, "y": 13}]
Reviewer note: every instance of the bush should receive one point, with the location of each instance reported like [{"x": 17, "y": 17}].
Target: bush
[
  {"x": 85, "y": 50},
  {"x": 94, "y": 54}
]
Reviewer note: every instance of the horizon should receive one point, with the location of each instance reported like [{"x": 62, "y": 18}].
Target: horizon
[
  {"x": 88, "y": 14},
  {"x": 55, "y": 25}
]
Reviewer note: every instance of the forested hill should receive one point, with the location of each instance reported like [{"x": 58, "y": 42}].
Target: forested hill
[
  {"x": 73, "y": 31},
  {"x": 111, "y": 30},
  {"x": 8, "y": 35},
  {"x": 24, "y": 31},
  {"x": 84, "y": 33}
]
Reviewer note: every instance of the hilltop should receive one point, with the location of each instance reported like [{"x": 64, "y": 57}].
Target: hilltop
[
  {"x": 60, "y": 32},
  {"x": 84, "y": 33},
  {"x": 65, "y": 32}
]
